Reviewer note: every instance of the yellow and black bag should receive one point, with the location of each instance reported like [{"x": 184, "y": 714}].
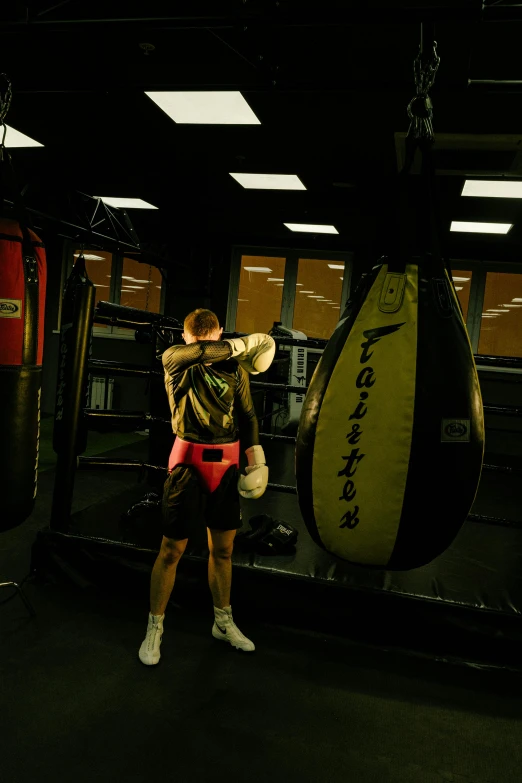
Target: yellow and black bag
[{"x": 390, "y": 442}]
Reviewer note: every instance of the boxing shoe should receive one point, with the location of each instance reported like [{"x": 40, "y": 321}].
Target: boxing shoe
[
  {"x": 226, "y": 630},
  {"x": 149, "y": 653}
]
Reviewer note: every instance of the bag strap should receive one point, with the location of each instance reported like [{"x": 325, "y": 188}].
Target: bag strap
[{"x": 9, "y": 189}]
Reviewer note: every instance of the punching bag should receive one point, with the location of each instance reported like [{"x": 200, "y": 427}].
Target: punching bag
[
  {"x": 391, "y": 437},
  {"x": 22, "y": 311}
]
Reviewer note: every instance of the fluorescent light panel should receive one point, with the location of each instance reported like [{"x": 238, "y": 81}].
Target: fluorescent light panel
[
  {"x": 205, "y": 107},
  {"x": 126, "y": 203},
  {"x": 14, "y": 138},
  {"x": 480, "y": 228},
  {"x": 269, "y": 181},
  {"x": 310, "y": 228},
  {"x": 89, "y": 257},
  {"x": 257, "y": 269},
  {"x": 336, "y": 266},
  {"x": 460, "y": 279},
  {"x": 484, "y": 188}
]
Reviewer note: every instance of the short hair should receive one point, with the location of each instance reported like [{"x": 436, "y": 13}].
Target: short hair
[{"x": 201, "y": 322}]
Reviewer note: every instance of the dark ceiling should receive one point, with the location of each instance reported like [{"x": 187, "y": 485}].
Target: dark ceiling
[{"x": 329, "y": 81}]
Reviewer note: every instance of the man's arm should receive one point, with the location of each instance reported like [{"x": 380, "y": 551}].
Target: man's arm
[
  {"x": 253, "y": 482},
  {"x": 180, "y": 357},
  {"x": 247, "y": 419}
]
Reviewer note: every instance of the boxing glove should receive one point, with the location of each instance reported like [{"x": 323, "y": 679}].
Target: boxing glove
[
  {"x": 254, "y": 352},
  {"x": 253, "y": 484}
]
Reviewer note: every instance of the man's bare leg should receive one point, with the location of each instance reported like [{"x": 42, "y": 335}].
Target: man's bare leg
[
  {"x": 164, "y": 574},
  {"x": 221, "y": 545}
]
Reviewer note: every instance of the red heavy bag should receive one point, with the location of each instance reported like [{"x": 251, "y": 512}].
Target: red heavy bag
[{"x": 22, "y": 308}]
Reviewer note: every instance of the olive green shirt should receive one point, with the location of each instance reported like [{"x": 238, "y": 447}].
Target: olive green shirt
[{"x": 209, "y": 394}]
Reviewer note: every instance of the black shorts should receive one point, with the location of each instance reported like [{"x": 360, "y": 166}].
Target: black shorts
[{"x": 187, "y": 504}]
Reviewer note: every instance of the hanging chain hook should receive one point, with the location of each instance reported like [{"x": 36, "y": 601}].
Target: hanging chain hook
[{"x": 420, "y": 108}]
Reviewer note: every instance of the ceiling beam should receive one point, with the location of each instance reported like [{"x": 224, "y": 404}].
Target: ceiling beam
[{"x": 299, "y": 17}]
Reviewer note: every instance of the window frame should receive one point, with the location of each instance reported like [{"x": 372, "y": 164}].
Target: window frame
[{"x": 292, "y": 256}]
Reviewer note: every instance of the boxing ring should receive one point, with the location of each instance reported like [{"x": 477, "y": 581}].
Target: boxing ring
[{"x": 464, "y": 606}]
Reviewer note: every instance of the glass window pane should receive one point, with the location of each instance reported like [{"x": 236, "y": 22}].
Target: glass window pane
[
  {"x": 140, "y": 286},
  {"x": 318, "y": 317},
  {"x": 501, "y": 322},
  {"x": 260, "y": 293},
  {"x": 462, "y": 280},
  {"x": 99, "y": 268}
]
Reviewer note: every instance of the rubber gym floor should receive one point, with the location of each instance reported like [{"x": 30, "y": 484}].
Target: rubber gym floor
[{"x": 77, "y": 705}]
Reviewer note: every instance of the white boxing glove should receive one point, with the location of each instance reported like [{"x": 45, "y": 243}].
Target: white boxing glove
[
  {"x": 253, "y": 484},
  {"x": 254, "y": 352}
]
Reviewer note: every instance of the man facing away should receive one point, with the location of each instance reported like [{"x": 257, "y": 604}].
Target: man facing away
[{"x": 209, "y": 395}]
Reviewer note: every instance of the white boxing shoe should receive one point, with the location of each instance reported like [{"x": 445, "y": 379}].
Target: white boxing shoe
[
  {"x": 149, "y": 653},
  {"x": 226, "y": 630}
]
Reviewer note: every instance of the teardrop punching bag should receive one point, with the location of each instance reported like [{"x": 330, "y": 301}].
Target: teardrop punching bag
[
  {"x": 22, "y": 310},
  {"x": 391, "y": 437}
]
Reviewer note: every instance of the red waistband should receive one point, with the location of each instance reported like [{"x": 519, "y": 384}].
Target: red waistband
[{"x": 199, "y": 455}]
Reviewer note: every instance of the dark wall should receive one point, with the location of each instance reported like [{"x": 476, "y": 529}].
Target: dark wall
[
  {"x": 503, "y": 433},
  {"x": 129, "y": 393}
]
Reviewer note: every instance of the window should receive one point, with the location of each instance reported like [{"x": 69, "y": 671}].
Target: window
[
  {"x": 123, "y": 281},
  {"x": 318, "y": 297},
  {"x": 462, "y": 281},
  {"x": 98, "y": 264},
  {"x": 140, "y": 286},
  {"x": 501, "y": 322},
  {"x": 260, "y": 296}
]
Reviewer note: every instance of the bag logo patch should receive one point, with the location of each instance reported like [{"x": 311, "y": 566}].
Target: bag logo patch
[
  {"x": 455, "y": 430},
  {"x": 10, "y": 308}
]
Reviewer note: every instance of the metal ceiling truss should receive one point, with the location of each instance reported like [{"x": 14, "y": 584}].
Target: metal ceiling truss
[{"x": 277, "y": 15}]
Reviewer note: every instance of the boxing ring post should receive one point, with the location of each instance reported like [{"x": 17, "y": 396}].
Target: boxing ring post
[{"x": 72, "y": 381}]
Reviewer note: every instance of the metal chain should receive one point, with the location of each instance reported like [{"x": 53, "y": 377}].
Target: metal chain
[
  {"x": 420, "y": 108},
  {"x": 5, "y": 105}
]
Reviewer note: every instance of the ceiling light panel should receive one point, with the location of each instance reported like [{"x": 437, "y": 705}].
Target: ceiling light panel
[
  {"x": 310, "y": 228},
  {"x": 336, "y": 266},
  {"x": 205, "y": 108},
  {"x": 264, "y": 269},
  {"x": 126, "y": 203},
  {"x": 269, "y": 181},
  {"x": 480, "y": 228},
  {"x": 14, "y": 138},
  {"x": 484, "y": 188}
]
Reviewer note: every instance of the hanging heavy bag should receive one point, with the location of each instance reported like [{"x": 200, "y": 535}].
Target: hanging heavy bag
[
  {"x": 390, "y": 442},
  {"x": 391, "y": 437},
  {"x": 22, "y": 310}
]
